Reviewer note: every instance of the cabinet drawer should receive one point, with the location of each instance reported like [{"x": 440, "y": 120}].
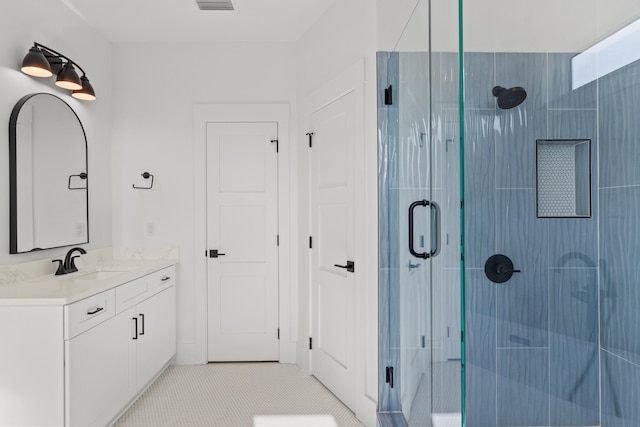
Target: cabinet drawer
[
  {"x": 131, "y": 293},
  {"x": 87, "y": 313},
  {"x": 162, "y": 279}
]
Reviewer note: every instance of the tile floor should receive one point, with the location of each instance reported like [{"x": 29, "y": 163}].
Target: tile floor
[{"x": 237, "y": 395}]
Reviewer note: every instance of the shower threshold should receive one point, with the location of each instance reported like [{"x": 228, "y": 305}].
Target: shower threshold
[{"x": 446, "y": 420}]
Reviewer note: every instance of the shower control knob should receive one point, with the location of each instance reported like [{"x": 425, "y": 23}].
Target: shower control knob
[{"x": 499, "y": 268}]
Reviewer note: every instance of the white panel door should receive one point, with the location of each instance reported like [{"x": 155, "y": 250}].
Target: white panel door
[
  {"x": 332, "y": 219},
  {"x": 242, "y": 222}
]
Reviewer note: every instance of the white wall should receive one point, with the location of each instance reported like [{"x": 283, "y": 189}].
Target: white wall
[
  {"x": 52, "y": 24},
  {"x": 393, "y": 16},
  {"x": 155, "y": 89},
  {"x": 543, "y": 26},
  {"x": 502, "y": 25}
]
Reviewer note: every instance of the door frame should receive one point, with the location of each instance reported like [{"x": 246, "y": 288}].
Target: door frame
[{"x": 287, "y": 262}]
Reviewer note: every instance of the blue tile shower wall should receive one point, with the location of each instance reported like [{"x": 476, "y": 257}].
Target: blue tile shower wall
[
  {"x": 532, "y": 348},
  {"x": 532, "y": 344},
  {"x": 573, "y": 339},
  {"x": 619, "y": 101}
]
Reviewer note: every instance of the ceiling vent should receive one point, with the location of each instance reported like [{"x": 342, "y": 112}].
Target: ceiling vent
[{"x": 215, "y": 5}]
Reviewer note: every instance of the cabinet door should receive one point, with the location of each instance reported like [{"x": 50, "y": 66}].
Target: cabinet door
[
  {"x": 156, "y": 334},
  {"x": 99, "y": 367},
  {"x": 31, "y": 361}
]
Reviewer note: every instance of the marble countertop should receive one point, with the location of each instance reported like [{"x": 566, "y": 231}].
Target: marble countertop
[{"x": 49, "y": 289}]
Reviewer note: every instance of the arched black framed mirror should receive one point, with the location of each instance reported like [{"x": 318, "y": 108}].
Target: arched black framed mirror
[{"x": 48, "y": 175}]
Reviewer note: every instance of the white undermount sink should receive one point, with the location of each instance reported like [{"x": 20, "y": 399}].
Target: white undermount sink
[{"x": 99, "y": 275}]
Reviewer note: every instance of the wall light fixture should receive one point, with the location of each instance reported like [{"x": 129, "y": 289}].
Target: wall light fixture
[{"x": 42, "y": 61}]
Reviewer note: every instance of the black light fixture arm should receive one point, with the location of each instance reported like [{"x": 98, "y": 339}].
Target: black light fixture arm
[
  {"x": 59, "y": 55},
  {"x": 42, "y": 61}
]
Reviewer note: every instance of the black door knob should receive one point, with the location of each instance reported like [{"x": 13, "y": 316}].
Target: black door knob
[
  {"x": 350, "y": 267},
  {"x": 213, "y": 253}
]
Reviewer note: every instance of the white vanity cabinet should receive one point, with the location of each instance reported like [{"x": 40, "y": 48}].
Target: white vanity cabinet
[
  {"x": 83, "y": 363},
  {"x": 106, "y": 366}
]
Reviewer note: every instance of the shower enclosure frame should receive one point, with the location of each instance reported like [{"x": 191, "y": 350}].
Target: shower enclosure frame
[
  {"x": 558, "y": 349},
  {"x": 392, "y": 217}
]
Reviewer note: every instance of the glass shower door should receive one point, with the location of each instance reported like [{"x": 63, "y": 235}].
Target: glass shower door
[
  {"x": 419, "y": 156},
  {"x": 534, "y": 330}
]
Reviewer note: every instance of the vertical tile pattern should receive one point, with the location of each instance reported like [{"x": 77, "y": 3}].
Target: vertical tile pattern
[
  {"x": 479, "y": 159},
  {"x": 522, "y": 301},
  {"x": 573, "y": 347},
  {"x": 414, "y": 132},
  {"x": 620, "y": 249},
  {"x": 479, "y": 200},
  {"x": 480, "y": 331},
  {"x": 448, "y": 81},
  {"x": 479, "y": 79},
  {"x": 415, "y": 180},
  {"x": 523, "y": 384},
  {"x": 518, "y": 128},
  {"x": 619, "y": 97},
  {"x": 531, "y": 343},
  {"x": 560, "y": 93},
  {"x": 574, "y": 242},
  {"x": 620, "y": 391}
]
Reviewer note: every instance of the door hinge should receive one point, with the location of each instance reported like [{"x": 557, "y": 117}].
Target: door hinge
[
  {"x": 389, "y": 375},
  {"x": 278, "y": 240},
  {"x": 388, "y": 95},
  {"x": 278, "y": 333},
  {"x": 310, "y": 242},
  {"x": 277, "y": 144},
  {"x": 461, "y": 336},
  {"x": 310, "y": 135},
  {"x": 310, "y": 343}
]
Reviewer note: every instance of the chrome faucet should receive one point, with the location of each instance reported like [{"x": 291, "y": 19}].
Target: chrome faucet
[{"x": 69, "y": 264}]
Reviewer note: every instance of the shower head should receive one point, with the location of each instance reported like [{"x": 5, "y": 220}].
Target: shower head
[{"x": 509, "y": 98}]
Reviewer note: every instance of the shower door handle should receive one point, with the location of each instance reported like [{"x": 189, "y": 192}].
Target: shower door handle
[{"x": 435, "y": 229}]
